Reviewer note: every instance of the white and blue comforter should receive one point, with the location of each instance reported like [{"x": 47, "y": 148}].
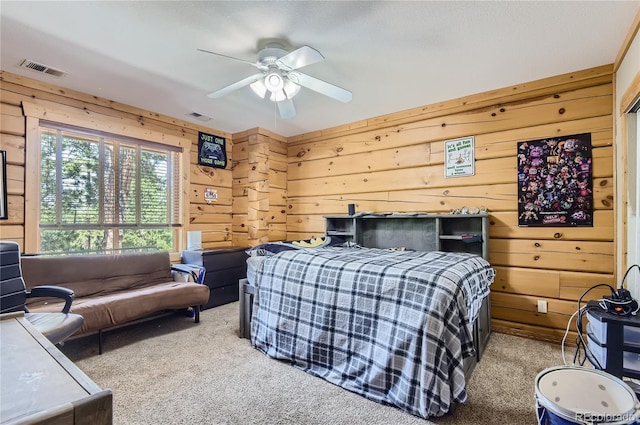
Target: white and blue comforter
[{"x": 391, "y": 326}]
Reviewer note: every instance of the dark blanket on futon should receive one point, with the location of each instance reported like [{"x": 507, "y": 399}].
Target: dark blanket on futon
[{"x": 391, "y": 326}]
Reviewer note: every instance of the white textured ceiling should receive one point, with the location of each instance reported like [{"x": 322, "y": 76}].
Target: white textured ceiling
[{"x": 393, "y": 55}]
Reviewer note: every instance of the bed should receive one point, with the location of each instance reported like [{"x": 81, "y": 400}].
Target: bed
[{"x": 393, "y": 326}]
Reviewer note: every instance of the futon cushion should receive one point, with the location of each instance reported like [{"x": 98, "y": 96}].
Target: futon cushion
[
  {"x": 106, "y": 310},
  {"x": 91, "y": 275}
]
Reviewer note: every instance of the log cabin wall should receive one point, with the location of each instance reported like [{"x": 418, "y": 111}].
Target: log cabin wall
[
  {"x": 396, "y": 163},
  {"x": 259, "y": 187},
  {"x": 214, "y": 219},
  {"x": 389, "y": 163}
]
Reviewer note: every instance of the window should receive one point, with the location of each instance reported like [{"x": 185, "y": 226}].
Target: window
[{"x": 101, "y": 193}]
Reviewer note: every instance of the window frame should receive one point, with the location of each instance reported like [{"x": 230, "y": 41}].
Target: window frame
[
  {"x": 118, "y": 126},
  {"x": 102, "y": 141}
]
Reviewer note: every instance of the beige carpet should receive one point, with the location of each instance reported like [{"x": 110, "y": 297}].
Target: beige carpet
[{"x": 173, "y": 371}]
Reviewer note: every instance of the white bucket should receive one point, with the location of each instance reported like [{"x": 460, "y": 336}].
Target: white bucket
[{"x": 576, "y": 395}]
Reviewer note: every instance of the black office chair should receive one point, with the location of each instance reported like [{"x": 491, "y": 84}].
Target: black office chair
[{"x": 56, "y": 327}]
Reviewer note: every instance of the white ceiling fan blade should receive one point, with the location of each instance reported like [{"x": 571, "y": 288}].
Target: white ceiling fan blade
[
  {"x": 229, "y": 57},
  {"x": 235, "y": 86},
  {"x": 286, "y": 108},
  {"x": 303, "y": 56},
  {"x": 321, "y": 87}
]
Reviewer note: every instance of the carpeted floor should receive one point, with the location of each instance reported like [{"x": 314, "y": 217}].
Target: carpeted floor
[{"x": 173, "y": 371}]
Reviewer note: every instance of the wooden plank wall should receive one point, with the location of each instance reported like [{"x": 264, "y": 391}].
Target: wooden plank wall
[
  {"x": 280, "y": 189},
  {"x": 395, "y": 163},
  {"x": 259, "y": 187},
  {"x": 214, "y": 220}
]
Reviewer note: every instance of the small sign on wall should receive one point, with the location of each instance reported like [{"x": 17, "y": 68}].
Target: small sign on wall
[
  {"x": 210, "y": 195},
  {"x": 459, "y": 157},
  {"x": 212, "y": 150}
]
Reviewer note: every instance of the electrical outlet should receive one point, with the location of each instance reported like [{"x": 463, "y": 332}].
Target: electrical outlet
[{"x": 542, "y": 306}]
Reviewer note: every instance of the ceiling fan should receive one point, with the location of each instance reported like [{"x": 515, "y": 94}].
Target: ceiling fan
[{"x": 279, "y": 79}]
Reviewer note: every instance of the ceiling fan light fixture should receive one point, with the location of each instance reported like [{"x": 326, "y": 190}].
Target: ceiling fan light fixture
[
  {"x": 273, "y": 81},
  {"x": 288, "y": 90}
]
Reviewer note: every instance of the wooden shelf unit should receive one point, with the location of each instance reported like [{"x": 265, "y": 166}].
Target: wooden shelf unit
[{"x": 420, "y": 232}]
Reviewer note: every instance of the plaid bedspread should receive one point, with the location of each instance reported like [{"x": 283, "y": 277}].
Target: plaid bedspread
[{"x": 391, "y": 326}]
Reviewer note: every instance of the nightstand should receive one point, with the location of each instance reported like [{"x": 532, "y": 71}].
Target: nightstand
[{"x": 225, "y": 268}]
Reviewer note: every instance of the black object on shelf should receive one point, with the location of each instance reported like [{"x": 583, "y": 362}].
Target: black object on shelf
[{"x": 471, "y": 238}]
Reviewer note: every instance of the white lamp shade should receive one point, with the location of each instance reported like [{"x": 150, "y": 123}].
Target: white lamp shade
[
  {"x": 273, "y": 81},
  {"x": 259, "y": 88}
]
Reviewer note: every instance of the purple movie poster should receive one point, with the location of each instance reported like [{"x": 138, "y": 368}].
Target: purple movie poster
[{"x": 555, "y": 186}]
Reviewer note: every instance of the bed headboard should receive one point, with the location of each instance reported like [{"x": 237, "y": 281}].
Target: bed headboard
[{"x": 415, "y": 231}]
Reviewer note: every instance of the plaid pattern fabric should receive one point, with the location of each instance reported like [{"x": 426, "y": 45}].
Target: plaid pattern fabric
[{"x": 391, "y": 326}]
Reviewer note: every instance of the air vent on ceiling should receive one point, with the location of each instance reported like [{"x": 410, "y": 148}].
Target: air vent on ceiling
[
  {"x": 199, "y": 116},
  {"x": 43, "y": 69}
]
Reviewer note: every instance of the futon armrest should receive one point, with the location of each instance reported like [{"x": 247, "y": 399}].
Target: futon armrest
[{"x": 53, "y": 291}]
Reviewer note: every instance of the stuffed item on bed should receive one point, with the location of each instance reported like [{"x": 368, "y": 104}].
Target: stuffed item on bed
[
  {"x": 391, "y": 326},
  {"x": 272, "y": 248}
]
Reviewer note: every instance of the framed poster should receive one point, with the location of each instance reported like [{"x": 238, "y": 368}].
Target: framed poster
[
  {"x": 212, "y": 150},
  {"x": 555, "y": 185},
  {"x": 459, "y": 157}
]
